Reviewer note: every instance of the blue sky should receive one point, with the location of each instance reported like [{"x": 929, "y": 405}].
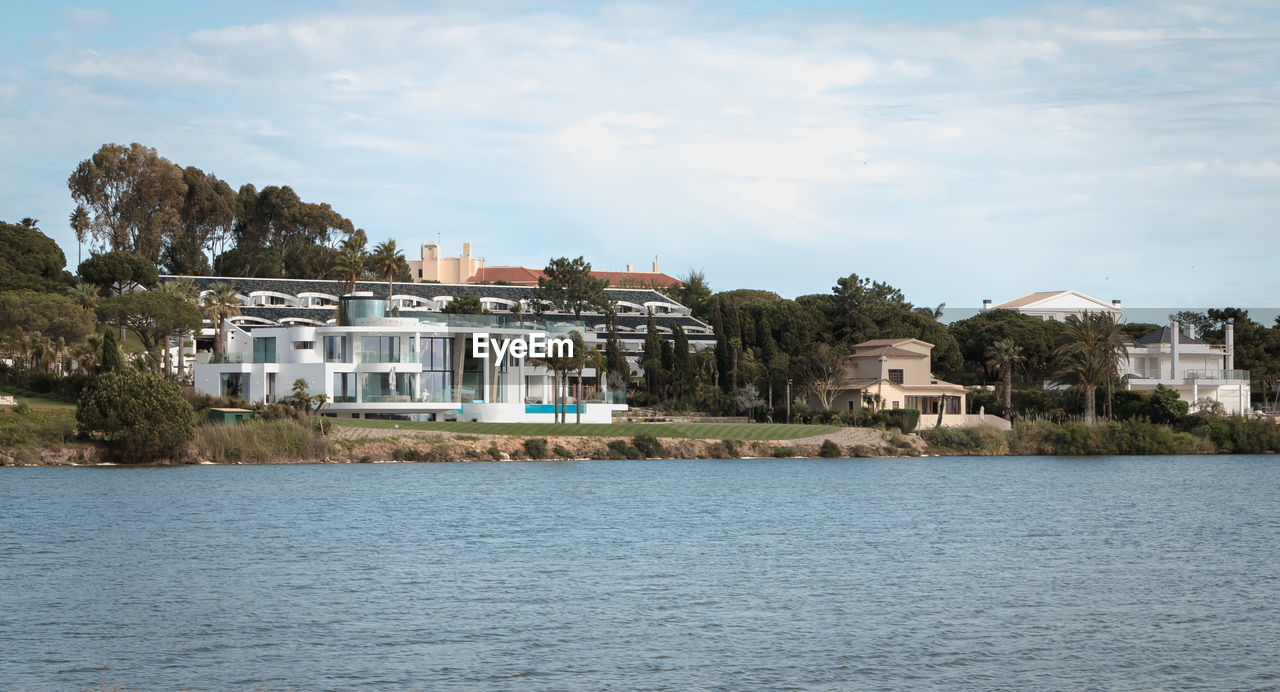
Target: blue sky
[{"x": 957, "y": 150}]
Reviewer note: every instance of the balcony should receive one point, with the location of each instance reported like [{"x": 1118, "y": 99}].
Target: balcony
[{"x": 1187, "y": 376}]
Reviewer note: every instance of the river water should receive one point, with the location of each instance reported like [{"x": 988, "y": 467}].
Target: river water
[{"x": 1056, "y": 573}]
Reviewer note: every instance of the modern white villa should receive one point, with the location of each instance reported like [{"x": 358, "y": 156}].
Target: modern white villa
[
  {"x": 419, "y": 363},
  {"x": 1176, "y": 358}
]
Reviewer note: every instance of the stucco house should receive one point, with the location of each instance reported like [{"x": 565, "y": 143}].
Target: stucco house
[
  {"x": 896, "y": 373},
  {"x": 1056, "y": 305},
  {"x": 1177, "y": 358}
]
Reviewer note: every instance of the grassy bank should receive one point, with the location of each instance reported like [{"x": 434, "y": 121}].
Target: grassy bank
[
  {"x": 688, "y": 431},
  {"x": 1191, "y": 435},
  {"x": 276, "y": 441}
]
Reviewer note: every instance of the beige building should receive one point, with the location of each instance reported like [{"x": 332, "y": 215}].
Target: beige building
[
  {"x": 446, "y": 270},
  {"x": 897, "y": 372}
]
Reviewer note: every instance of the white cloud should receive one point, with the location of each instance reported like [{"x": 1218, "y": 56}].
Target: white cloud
[{"x": 683, "y": 129}]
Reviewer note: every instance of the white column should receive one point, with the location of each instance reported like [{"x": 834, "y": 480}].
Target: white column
[{"x": 1174, "y": 345}]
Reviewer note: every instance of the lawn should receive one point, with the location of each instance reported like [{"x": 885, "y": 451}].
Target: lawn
[{"x": 692, "y": 431}]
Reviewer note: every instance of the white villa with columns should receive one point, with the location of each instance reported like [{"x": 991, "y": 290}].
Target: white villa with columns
[{"x": 1176, "y": 358}]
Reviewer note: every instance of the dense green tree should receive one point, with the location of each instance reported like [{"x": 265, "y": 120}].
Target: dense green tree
[
  {"x": 152, "y": 316},
  {"x": 350, "y": 262},
  {"x": 117, "y": 272},
  {"x": 208, "y": 211},
  {"x": 111, "y": 359},
  {"x": 465, "y": 304},
  {"x": 140, "y": 416},
  {"x": 569, "y": 287},
  {"x": 135, "y": 196},
  {"x": 976, "y": 335},
  {"x": 615, "y": 355},
  {"x": 29, "y": 259},
  {"x": 279, "y": 235},
  {"x": 694, "y": 293},
  {"x": 655, "y": 376},
  {"x": 1091, "y": 349},
  {"x": 51, "y": 315},
  {"x": 681, "y": 359}
]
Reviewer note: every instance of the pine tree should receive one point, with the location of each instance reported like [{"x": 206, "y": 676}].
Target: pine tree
[
  {"x": 651, "y": 356},
  {"x": 723, "y": 363},
  {"x": 112, "y": 360}
]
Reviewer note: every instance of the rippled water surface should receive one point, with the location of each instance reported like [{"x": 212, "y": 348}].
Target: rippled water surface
[{"x": 1121, "y": 573}]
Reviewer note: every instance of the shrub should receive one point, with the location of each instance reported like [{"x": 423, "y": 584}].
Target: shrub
[
  {"x": 648, "y": 445},
  {"x": 495, "y": 453},
  {"x": 904, "y": 419},
  {"x": 619, "y": 449},
  {"x": 536, "y": 447},
  {"x": 563, "y": 452},
  {"x": 864, "y": 451},
  {"x": 981, "y": 440},
  {"x": 266, "y": 441},
  {"x": 829, "y": 450},
  {"x": 141, "y": 416},
  {"x": 784, "y": 452},
  {"x": 730, "y": 448}
]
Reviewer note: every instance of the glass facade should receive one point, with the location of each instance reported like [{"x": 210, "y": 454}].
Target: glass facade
[
  {"x": 380, "y": 349},
  {"x": 264, "y": 349},
  {"x": 386, "y": 387},
  {"x": 232, "y": 384},
  {"x": 337, "y": 349},
  {"x": 344, "y": 387},
  {"x": 436, "y": 357}
]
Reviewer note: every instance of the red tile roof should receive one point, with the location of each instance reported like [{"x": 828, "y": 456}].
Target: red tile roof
[{"x": 525, "y": 276}]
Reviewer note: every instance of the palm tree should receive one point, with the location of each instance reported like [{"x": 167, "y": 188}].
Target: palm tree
[
  {"x": 1091, "y": 350},
  {"x": 80, "y": 225},
  {"x": 349, "y": 264},
  {"x": 388, "y": 261},
  {"x": 220, "y": 303},
  {"x": 1005, "y": 355},
  {"x": 185, "y": 289}
]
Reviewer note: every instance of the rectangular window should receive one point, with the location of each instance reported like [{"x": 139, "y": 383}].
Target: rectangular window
[
  {"x": 895, "y": 375},
  {"x": 895, "y": 405},
  {"x": 335, "y": 349},
  {"x": 385, "y": 387},
  {"x": 344, "y": 387},
  {"x": 304, "y": 345},
  {"x": 232, "y": 385},
  {"x": 380, "y": 349},
  {"x": 264, "y": 349}
]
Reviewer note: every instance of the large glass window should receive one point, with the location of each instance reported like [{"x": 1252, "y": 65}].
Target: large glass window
[
  {"x": 233, "y": 385},
  {"x": 264, "y": 349},
  {"x": 337, "y": 349},
  {"x": 380, "y": 349},
  {"x": 436, "y": 356},
  {"x": 385, "y": 387},
  {"x": 344, "y": 387}
]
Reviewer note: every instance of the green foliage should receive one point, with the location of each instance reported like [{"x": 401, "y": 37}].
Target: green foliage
[
  {"x": 141, "y": 416},
  {"x": 111, "y": 359},
  {"x": 151, "y": 315},
  {"x": 27, "y": 428},
  {"x": 562, "y": 452},
  {"x": 494, "y": 453},
  {"x": 114, "y": 272},
  {"x": 784, "y": 452},
  {"x": 52, "y": 316},
  {"x": 829, "y": 450},
  {"x": 535, "y": 448},
  {"x": 648, "y": 446},
  {"x": 619, "y": 449},
  {"x": 979, "y": 440},
  {"x": 905, "y": 419},
  {"x": 135, "y": 195},
  {"x": 29, "y": 259},
  {"x": 276, "y": 234},
  {"x": 262, "y": 441},
  {"x": 976, "y": 335},
  {"x": 569, "y": 287},
  {"x": 465, "y": 304},
  {"x": 1160, "y": 406}
]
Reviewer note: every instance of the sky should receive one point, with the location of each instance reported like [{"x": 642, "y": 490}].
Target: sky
[{"x": 956, "y": 150}]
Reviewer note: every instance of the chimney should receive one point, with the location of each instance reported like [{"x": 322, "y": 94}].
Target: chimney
[
  {"x": 1191, "y": 332},
  {"x": 986, "y": 303},
  {"x": 655, "y": 266},
  {"x": 1230, "y": 328},
  {"x": 1115, "y": 304},
  {"x": 466, "y": 249},
  {"x": 1174, "y": 327},
  {"x": 628, "y": 267}
]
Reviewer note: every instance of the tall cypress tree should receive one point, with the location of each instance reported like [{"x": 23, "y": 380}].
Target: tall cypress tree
[
  {"x": 723, "y": 362},
  {"x": 111, "y": 359},
  {"x": 681, "y": 361},
  {"x": 615, "y": 356},
  {"x": 651, "y": 356}
]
